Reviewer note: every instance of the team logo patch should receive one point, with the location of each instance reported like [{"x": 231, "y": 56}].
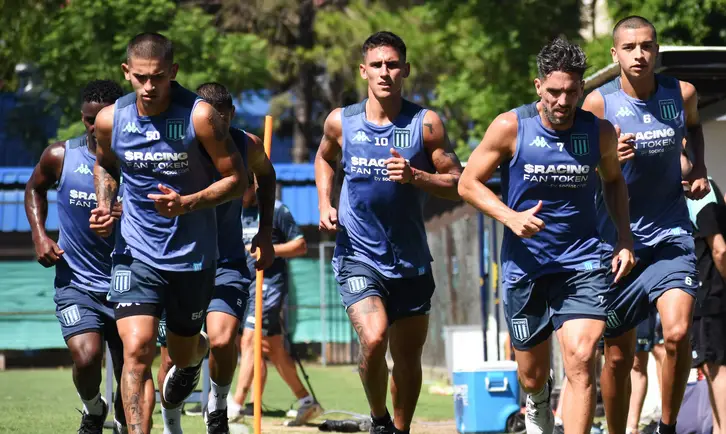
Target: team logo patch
[
  {"x": 520, "y": 329},
  {"x": 357, "y": 284},
  {"x": 668, "y": 109},
  {"x": 612, "y": 320},
  {"x": 71, "y": 315},
  {"x": 580, "y": 144},
  {"x": 401, "y": 138},
  {"x": 175, "y": 129},
  {"x": 122, "y": 281}
]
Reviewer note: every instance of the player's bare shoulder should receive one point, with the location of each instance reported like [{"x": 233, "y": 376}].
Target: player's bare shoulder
[
  {"x": 333, "y": 128},
  {"x": 594, "y": 103},
  {"x": 501, "y": 135},
  {"x": 688, "y": 90},
  {"x": 104, "y": 120}
]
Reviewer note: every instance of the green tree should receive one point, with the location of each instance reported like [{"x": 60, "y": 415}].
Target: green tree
[{"x": 87, "y": 40}]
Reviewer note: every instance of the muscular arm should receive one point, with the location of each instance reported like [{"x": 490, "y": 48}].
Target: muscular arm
[
  {"x": 106, "y": 171},
  {"x": 615, "y": 190},
  {"x": 266, "y": 180},
  {"x": 292, "y": 248},
  {"x": 445, "y": 182},
  {"x": 220, "y": 147},
  {"x": 498, "y": 144},
  {"x": 46, "y": 173},
  {"x": 718, "y": 252},
  {"x": 693, "y": 125},
  {"x": 326, "y": 158}
]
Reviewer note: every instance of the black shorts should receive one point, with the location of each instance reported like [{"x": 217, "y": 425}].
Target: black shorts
[
  {"x": 708, "y": 340},
  {"x": 140, "y": 289}
]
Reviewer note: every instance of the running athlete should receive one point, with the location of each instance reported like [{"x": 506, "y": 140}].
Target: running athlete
[
  {"x": 394, "y": 153},
  {"x": 161, "y": 138},
  {"x": 553, "y": 156},
  {"x": 231, "y": 286},
  {"x": 82, "y": 259},
  {"x": 652, "y": 115},
  {"x": 288, "y": 242}
]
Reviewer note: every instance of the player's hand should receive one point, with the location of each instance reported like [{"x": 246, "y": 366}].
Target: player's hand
[
  {"x": 168, "y": 204},
  {"x": 116, "y": 210},
  {"x": 399, "y": 169},
  {"x": 102, "y": 222},
  {"x": 626, "y": 145},
  {"x": 697, "y": 183},
  {"x": 328, "y": 220},
  {"x": 263, "y": 249},
  {"x": 525, "y": 223},
  {"x": 623, "y": 259},
  {"x": 47, "y": 252}
]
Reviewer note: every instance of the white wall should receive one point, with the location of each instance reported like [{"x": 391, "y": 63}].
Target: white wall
[{"x": 714, "y": 133}]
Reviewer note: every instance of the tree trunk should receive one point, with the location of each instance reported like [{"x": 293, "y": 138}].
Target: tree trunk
[{"x": 304, "y": 89}]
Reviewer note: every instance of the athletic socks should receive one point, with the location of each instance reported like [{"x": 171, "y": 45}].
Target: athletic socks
[
  {"x": 541, "y": 396},
  {"x": 383, "y": 420},
  {"x": 93, "y": 406},
  {"x": 665, "y": 429},
  {"x": 307, "y": 400},
  {"x": 218, "y": 397},
  {"x": 172, "y": 420},
  {"x": 558, "y": 421}
]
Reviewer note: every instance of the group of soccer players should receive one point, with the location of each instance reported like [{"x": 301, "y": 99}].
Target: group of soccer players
[{"x": 593, "y": 201}]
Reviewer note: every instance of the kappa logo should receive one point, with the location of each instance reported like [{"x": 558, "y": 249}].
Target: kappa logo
[
  {"x": 540, "y": 142},
  {"x": 83, "y": 170},
  {"x": 131, "y": 128},
  {"x": 624, "y": 112},
  {"x": 71, "y": 315},
  {"x": 361, "y": 136}
]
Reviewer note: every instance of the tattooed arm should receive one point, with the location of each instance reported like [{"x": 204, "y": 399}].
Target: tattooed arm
[
  {"x": 46, "y": 173},
  {"x": 444, "y": 182},
  {"x": 106, "y": 174},
  {"x": 215, "y": 137}
]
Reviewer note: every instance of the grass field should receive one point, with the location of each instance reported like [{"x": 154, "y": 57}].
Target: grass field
[{"x": 45, "y": 401}]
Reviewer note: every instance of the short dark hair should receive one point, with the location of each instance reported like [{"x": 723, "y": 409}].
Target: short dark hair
[
  {"x": 216, "y": 94},
  {"x": 634, "y": 22},
  {"x": 385, "y": 39},
  {"x": 103, "y": 91},
  {"x": 150, "y": 45},
  {"x": 561, "y": 55}
]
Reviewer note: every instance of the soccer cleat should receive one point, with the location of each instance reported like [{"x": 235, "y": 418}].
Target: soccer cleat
[
  {"x": 180, "y": 383},
  {"x": 93, "y": 424},
  {"x": 217, "y": 422},
  {"x": 385, "y": 428},
  {"x": 306, "y": 413},
  {"x": 119, "y": 428},
  {"x": 539, "y": 418},
  {"x": 195, "y": 410}
]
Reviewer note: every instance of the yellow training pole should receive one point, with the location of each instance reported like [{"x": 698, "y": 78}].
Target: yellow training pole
[{"x": 258, "y": 310}]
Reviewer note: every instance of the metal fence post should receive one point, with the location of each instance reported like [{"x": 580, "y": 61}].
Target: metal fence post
[{"x": 323, "y": 289}]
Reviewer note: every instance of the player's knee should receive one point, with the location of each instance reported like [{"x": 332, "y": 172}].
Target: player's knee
[
  {"x": 87, "y": 355},
  {"x": 676, "y": 335},
  {"x": 139, "y": 352},
  {"x": 222, "y": 339},
  {"x": 579, "y": 363},
  {"x": 248, "y": 339},
  {"x": 373, "y": 343},
  {"x": 619, "y": 362},
  {"x": 531, "y": 381}
]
